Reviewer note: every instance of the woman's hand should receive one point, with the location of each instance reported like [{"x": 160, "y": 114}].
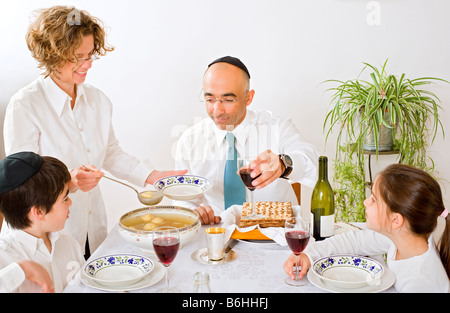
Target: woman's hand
[
  {"x": 289, "y": 264},
  {"x": 155, "y": 175},
  {"x": 85, "y": 178}
]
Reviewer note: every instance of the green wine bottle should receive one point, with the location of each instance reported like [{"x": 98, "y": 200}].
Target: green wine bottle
[{"x": 322, "y": 204}]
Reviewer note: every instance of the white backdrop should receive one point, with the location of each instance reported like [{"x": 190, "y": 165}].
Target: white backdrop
[{"x": 154, "y": 76}]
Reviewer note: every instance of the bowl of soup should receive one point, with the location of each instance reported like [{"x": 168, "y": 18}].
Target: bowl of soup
[{"x": 137, "y": 226}]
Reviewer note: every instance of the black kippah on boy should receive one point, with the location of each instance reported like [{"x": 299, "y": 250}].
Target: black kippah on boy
[
  {"x": 233, "y": 61},
  {"x": 17, "y": 168}
]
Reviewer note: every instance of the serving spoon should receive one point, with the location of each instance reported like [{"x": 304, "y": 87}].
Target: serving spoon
[{"x": 155, "y": 198}]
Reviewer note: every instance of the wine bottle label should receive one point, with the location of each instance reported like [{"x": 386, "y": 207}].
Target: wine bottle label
[{"x": 327, "y": 225}]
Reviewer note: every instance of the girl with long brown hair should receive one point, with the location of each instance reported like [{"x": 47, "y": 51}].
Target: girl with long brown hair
[{"x": 402, "y": 212}]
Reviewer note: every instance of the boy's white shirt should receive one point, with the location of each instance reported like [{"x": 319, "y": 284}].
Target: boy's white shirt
[
  {"x": 423, "y": 273},
  {"x": 62, "y": 263},
  {"x": 11, "y": 277}
]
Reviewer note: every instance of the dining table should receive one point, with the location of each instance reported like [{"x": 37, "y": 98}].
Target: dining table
[{"x": 256, "y": 268}]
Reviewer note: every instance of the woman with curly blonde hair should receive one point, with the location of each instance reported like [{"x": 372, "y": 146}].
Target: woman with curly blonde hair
[
  {"x": 59, "y": 115},
  {"x": 58, "y": 32}
]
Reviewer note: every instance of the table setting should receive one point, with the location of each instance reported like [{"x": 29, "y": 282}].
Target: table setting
[
  {"x": 129, "y": 260},
  {"x": 257, "y": 267}
]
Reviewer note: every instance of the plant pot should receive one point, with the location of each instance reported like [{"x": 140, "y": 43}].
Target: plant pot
[
  {"x": 385, "y": 140},
  {"x": 385, "y": 136}
]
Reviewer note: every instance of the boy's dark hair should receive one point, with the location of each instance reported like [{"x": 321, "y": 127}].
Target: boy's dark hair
[{"x": 41, "y": 191}]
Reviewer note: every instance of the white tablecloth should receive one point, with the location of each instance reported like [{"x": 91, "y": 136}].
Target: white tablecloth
[{"x": 258, "y": 268}]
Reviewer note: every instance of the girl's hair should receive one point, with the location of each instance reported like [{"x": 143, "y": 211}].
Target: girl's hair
[
  {"x": 417, "y": 196},
  {"x": 41, "y": 191},
  {"x": 56, "y": 34}
]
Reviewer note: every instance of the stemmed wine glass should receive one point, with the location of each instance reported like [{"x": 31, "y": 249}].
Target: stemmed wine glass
[
  {"x": 244, "y": 172},
  {"x": 297, "y": 233},
  {"x": 166, "y": 242}
]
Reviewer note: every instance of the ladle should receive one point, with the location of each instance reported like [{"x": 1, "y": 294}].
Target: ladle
[{"x": 155, "y": 199}]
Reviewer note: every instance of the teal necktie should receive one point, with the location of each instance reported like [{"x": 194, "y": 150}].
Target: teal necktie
[{"x": 233, "y": 187}]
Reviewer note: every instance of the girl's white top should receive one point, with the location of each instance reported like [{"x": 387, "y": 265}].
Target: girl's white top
[{"x": 423, "y": 273}]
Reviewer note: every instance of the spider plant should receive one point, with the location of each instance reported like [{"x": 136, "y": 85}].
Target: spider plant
[{"x": 360, "y": 108}]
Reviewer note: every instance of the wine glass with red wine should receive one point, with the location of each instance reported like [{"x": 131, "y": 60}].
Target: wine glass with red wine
[
  {"x": 297, "y": 233},
  {"x": 166, "y": 242},
  {"x": 245, "y": 173}
]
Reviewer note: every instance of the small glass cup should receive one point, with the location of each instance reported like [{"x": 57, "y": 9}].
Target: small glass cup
[
  {"x": 201, "y": 282},
  {"x": 215, "y": 240}
]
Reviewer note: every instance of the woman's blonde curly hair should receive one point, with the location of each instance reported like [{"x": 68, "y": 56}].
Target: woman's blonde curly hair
[{"x": 56, "y": 34}]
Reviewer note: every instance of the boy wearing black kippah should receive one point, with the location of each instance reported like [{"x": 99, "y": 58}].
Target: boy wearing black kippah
[{"x": 34, "y": 202}]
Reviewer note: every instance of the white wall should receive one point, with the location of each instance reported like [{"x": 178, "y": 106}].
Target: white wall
[{"x": 290, "y": 46}]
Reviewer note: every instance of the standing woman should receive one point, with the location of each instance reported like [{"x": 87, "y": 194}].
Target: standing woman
[{"x": 59, "y": 115}]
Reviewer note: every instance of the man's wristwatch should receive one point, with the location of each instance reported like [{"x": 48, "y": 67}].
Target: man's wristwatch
[{"x": 287, "y": 162}]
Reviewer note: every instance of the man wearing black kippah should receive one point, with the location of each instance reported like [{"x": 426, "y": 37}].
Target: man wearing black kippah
[{"x": 210, "y": 148}]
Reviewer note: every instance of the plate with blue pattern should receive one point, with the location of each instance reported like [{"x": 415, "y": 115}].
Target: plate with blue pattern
[
  {"x": 182, "y": 187},
  {"x": 118, "y": 269},
  {"x": 348, "y": 271}
]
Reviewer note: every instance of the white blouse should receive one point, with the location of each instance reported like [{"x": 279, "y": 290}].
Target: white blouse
[
  {"x": 422, "y": 273},
  {"x": 39, "y": 118},
  {"x": 62, "y": 263},
  {"x": 202, "y": 149}
]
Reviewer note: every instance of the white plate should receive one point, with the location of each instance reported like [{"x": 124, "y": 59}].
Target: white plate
[
  {"x": 183, "y": 192},
  {"x": 348, "y": 271},
  {"x": 118, "y": 269},
  {"x": 387, "y": 280},
  {"x": 155, "y": 276},
  {"x": 182, "y": 187}
]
